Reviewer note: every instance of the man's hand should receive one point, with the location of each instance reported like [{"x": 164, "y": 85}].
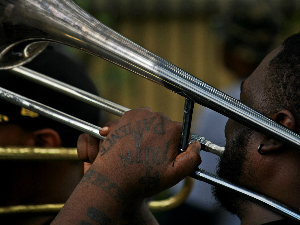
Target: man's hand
[
  {"x": 140, "y": 154},
  {"x": 139, "y": 158}
]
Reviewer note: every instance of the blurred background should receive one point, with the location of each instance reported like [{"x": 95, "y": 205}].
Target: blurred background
[{"x": 218, "y": 41}]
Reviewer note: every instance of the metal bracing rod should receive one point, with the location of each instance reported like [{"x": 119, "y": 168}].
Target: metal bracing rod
[
  {"x": 255, "y": 197},
  {"x": 69, "y": 90},
  {"x": 50, "y": 113},
  {"x": 99, "y": 102},
  {"x": 94, "y": 130}
]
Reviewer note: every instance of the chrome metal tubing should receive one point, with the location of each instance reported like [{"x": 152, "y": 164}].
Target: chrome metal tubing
[
  {"x": 99, "y": 102},
  {"x": 255, "y": 197},
  {"x": 66, "y": 23},
  {"x": 80, "y": 95},
  {"x": 69, "y": 90},
  {"x": 50, "y": 113},
  {"x": 186, "y": 124},
  {"x": 207, "y": 145},
  {"x": 94, "y": 130}
]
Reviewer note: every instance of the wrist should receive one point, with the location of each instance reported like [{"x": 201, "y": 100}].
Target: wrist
[
  {"x": 137, "y": 212},
  {"x": 96, "y": 200}
]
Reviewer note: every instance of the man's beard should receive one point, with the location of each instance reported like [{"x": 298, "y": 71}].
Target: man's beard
[{"x": 230, "y": 169}]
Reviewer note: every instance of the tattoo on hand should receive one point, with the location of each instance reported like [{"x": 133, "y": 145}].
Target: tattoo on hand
[
  {"x": 97, "y": 216},
  {"x": 105, "y": 184},
  {"x": 157, "y": 155},
  {"x": 144, "y": 125},
  {"x": 149, "y": 181}
]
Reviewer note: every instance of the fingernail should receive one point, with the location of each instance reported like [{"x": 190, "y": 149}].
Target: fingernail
[{"x": 104, "y": 129}]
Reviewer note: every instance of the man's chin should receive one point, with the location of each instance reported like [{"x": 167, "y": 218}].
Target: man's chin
[
  {"x": 229, "y": 169},
  {"x": 228, "y": 200}
]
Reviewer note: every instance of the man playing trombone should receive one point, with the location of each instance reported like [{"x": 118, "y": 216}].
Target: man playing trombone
[{"x": 139, "y": 158}]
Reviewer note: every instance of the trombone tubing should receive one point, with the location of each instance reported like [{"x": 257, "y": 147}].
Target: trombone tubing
[
  {"x": 66, "y": 23},
  {"x": 93, "y": 130},
  {"x": 50, "y": 113},
  {"x": 255, "y": 197},
  {"x": 69, "y": 90},
  {"x": 97, "y": 101}
]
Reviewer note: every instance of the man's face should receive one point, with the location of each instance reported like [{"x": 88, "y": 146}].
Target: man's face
[
  {"x": 13, "y": 135},
  {"x": 236, "y": 165}
]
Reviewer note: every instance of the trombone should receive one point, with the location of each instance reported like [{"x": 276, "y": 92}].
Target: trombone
[{"x": 66, "y": 23}]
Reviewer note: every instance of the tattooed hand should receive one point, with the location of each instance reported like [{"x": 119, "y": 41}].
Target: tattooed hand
[
  {"x": 140, "y": 154},
  {"x": 139, "y": 158}
]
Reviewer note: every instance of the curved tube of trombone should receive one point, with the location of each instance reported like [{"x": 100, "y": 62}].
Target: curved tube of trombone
[
  {"x": 66, "y": 23},
  {"x": 26, "y": 26},
  {"x": 174, "y": 201}
]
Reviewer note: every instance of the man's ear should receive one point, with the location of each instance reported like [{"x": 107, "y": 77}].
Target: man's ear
[
  {"x": 47, "y": 138},
  {"x": 285, "y": 118}
]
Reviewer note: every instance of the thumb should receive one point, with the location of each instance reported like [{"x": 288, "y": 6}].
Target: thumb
[{"x": 188, "y": 161}]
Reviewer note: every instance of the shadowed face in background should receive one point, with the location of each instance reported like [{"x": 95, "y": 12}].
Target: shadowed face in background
[{"x": 42, "y": 182}]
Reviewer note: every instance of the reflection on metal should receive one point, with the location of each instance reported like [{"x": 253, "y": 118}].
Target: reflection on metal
[
  {"x": 47, "y": 208},
  {"x": 207, "y": 145},
  {"x": 174, "y": 201},
  {"x": 21, "y": 153},
  {"x": 263, "y": 200},
  {"x": 69, "y": 90},
  {"x": 155, "y": 206},
  {"x": 60, "y": 21}
]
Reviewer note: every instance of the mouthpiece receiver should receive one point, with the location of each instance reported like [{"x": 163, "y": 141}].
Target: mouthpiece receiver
[{"x": 207, "y": 145}]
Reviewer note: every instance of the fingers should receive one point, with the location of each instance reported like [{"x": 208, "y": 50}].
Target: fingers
[
  {"x": 82, "y": 148},
  {"x": 139, "y": 146},
  {"x": 87, "y": 147},
  {"x": 186, "y": 162},
  {"x": 104, "y": 131}
]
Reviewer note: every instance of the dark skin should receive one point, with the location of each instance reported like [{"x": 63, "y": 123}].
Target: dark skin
[
  {"x": 275, "y": 174},
  {"x": 116, "y": 184}
]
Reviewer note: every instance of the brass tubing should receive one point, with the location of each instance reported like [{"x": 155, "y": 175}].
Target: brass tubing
[
  {"x": 31, "y": 208},
  {"x": 174, "y": 201},
  {"x": 22, "y": 153}
]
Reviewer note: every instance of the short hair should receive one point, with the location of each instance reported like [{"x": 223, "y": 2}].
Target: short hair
[
  {"x": 284, "y": 77},
  {"x": 58, "y": 66}
]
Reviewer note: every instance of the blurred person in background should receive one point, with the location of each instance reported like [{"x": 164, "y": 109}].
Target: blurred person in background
[{"x": 42, "y": 182}]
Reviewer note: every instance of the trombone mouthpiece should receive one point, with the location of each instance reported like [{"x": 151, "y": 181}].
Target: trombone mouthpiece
[{"x": 207, "y": 145}]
